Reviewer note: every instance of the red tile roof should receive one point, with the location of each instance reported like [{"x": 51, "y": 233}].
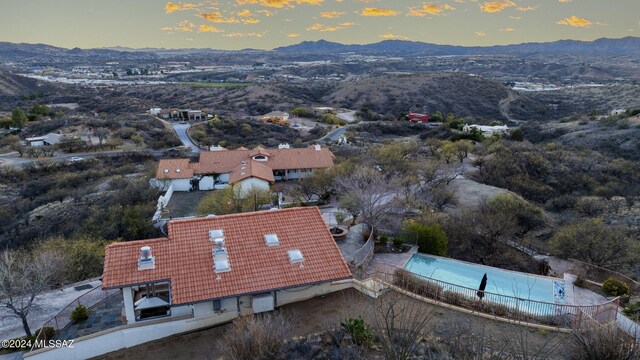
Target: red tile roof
[
  {"x": 174, "y": 169},
  {"x": 217, "y": 162},
  {"x": 249, "y": 169},
  {"x": 185, "y": 257}
]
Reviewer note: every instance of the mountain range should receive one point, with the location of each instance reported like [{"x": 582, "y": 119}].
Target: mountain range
[{"x": 629, "y": 46}]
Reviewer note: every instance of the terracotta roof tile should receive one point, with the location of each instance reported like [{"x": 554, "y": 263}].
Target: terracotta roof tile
[
  {"x": 174, "y": 169},
  {"x": 251, "y": 168},
  {"x": 185, "y": 257},
  {"x": 216, "y": 162}
]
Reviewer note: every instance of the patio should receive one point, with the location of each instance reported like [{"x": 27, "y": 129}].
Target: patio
[
  {"x": 352, "y": 242},
  {"x": 104, "y": 315}
]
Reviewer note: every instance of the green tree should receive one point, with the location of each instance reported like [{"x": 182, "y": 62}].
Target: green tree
[
  {"x": 83, "y": 256},
  {"x": 19, "y": 118},
  {"x": 5, "y": 123},
  {"x": 431, "y": 239},
  {"x": 462, "y": 149},
  {"x": 595, "y": 242},
  {"x": 137, "y": 139},
  {"x": 233, "y": 200},
  {"x": 527, "y": 215}
]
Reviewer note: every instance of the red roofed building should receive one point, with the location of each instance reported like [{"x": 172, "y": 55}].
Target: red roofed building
[
  {"x": 258, "y": 167},
  {"x": 225, "y": 266}
]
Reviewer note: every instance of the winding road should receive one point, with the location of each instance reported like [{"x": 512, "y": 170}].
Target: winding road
[{"x": 181, "y": 131}]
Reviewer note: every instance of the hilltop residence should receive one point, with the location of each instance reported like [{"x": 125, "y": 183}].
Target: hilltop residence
[
  {"x": 258, "y": 167},
  {"x": 223, "y": 267},
  {"x": 487, "y": 131}
]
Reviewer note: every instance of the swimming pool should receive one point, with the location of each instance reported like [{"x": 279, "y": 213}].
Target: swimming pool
[{"x": 499, "y": 281}]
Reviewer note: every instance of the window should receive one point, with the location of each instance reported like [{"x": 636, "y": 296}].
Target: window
[{"x": 217, "y": 306}]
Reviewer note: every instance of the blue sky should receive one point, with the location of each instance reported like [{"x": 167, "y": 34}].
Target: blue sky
[{"x": 265, "y": 24}]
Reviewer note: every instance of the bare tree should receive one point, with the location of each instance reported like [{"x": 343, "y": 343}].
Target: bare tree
[
  {"x": 23, "y": 277},
  {"x": 399, "y": 323},
  {"x": 101, "y": 134},
  {"x": 368, "y": 193}
]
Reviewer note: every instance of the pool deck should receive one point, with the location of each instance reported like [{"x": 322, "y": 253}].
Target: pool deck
[{"x": 388, "y": 262}]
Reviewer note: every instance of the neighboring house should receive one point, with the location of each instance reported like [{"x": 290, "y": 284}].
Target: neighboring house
[
  {"x": 618, "y": 112},
  {"x": 176, "y": 172},
  {"x": 487, "y": 131},
  {"x": 222, "y": 267},
  {"x": 259, "y": 167},
  {"x": 49, "y": 139},
  {"x": 175, "y": 114}
]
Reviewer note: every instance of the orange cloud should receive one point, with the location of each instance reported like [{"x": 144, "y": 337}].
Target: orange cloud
[
  {"x": 250, "y": 21},
  {"x": 278, "y": 3},
  {"x": 183, "y": 26},
  {"x": 329, "y": 28},
  {"x": 509, "y": 29},
  {"x": 251, "y": 34},
  {"x": 526, "y": 8},
  {"x": 496, "y": 6},
  {"x": 576, "y": 22},
  {"x": 217, "y": 17},
  {"x": 480, "y": 33},
  {"x": 377, "y": 12},
  {"x": 209, "y": 29},
  {"x": 171, "y": 7},
  {"x": 429, "y": 9},
  {"x": 293, "y": 35},
  {"x": 244, "y": 13},
  {"x": 390, "y": 36},
  {"x": 331, "y": 14}
]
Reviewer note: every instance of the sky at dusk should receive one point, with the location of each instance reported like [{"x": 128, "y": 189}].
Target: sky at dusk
[{"x": 265, "y": 24}]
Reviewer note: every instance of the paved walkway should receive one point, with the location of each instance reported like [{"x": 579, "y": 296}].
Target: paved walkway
[
  {"x": 388, "y": 262},
  {"x": 353, "y": 242}
]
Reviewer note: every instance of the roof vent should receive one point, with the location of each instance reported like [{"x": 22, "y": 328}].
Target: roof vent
[
  {"x": 166, "y": 171},
  {"x": 146, "y": 260},
  {"x": 295, "y": 256},
  {"x": 271, "y": 240},
  {"x": 284, "y": 146},
  {"x": 177, "y": 170},
  {"x": 317, "y": 146}
]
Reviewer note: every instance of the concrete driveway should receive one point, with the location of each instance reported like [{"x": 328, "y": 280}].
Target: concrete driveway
[{"x": 181, "y": 131}]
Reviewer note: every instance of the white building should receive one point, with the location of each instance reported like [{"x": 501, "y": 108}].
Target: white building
[
  {"x": 486, "y": 130},
  {"x": 260, "y": 167}
]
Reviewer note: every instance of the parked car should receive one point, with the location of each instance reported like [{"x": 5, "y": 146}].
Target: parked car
[{"x": 75, "y": 158}]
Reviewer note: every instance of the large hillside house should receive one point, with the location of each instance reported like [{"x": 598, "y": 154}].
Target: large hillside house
[
  {"x": 217, "y": 268},
  {"x": 255, "y": 168}
]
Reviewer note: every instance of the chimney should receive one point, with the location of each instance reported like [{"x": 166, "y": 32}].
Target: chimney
[
  {"x": 284, "y": 146},
  {"x": 146, "y": 260},
  {"x": 317, "y": 146}
]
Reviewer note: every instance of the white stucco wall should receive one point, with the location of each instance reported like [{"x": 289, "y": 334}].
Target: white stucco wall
[
  {"x": 206, "y": 183},
  {"x": 223, "y": 178},
  {"x": 181, "y": 184},
  {"x": 289, "y": 296},
  {"x": 247, "y": 184}
]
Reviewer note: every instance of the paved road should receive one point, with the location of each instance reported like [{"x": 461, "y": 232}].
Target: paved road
[
  {"x": 348, "y": 116},
  {"x": 334, "y": 135},
  {"x": 181, "y": 131}
]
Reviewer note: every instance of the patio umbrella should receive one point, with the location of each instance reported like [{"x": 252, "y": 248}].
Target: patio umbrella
[{"x": 483, "y": 285}]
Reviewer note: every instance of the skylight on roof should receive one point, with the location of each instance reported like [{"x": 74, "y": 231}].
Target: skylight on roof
[
  {"x": 295, "y": 256},
  {"x": 222, "y": 266},
  {"x": 216, "y": 234},
  {"x": 271, "y": 240}
]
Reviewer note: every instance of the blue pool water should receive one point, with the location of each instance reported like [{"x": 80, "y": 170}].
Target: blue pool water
[{"x": 499, "y": 281}]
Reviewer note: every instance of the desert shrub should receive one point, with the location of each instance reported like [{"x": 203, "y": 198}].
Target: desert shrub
[
  {"x": 410, "y": 282},
  {"x": 580, "y": 281},
  {"x": 358, "y": 330},
  {"x": 397, "y": 242},
  {"x": 49, "y": 332},
  {"x": 615, "y": 287},
  {"x": 431, "y": 239},
  {"x": 80, "y": 313},
  {"x": 597, "y": 343},
  {"x": 560, "y": 203},
  {"x": 632, "y": 310},
  {"x": 256, "y": 337}
]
